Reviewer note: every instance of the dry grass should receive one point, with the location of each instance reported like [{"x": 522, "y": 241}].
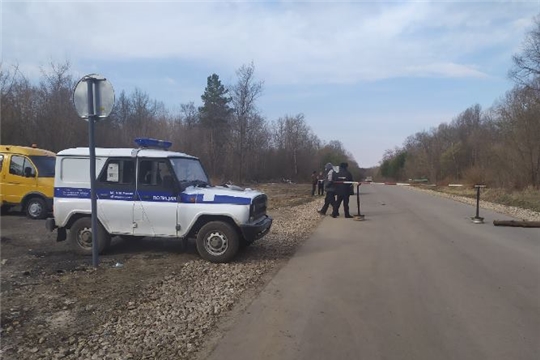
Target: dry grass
[{"x": 285, "y": 195}]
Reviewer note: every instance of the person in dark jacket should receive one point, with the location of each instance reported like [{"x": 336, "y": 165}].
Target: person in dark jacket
[
  {"x": 320, "y": 184},
  {"x": 314, "y": 181},
  {"x": 330, "y": 198},
  {"x": 343, "y": 191}
]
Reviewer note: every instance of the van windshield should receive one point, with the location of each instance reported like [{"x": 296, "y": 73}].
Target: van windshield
[
  {"x": 44, "y": 164},
  {"x": 189, "y": 170}
]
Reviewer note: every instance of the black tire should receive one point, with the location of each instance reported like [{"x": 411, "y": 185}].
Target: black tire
[
  {"x": 131, "y": 237},
  {"x": 80, "y": 237},
  {"x": 35, "y": 208},
  {"x": 218, "y": 242}
]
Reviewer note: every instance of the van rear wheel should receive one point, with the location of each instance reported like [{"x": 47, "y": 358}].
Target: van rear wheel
[
  {"x": 80, "y": 236},
  {"x": 35, "y": 208}
]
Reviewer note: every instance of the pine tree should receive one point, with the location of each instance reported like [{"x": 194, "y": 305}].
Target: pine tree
[{"x": 214, "y": 118}]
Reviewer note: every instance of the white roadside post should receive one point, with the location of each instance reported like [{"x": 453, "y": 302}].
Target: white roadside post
[{"x": 93, "y": 98}]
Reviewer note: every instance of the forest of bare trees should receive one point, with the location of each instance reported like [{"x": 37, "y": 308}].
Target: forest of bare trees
[
  {"x": 228, "y": 132},
  {"x": 499, "y": 146}
]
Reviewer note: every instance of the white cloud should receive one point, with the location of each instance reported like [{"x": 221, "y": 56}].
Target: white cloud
[
  {"x": 290, "y": 42},
  {"x": 445, "y": 70}
]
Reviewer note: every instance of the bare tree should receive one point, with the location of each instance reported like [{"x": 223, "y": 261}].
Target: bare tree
[
  {"x": 244, "y": 95},
  {"x": 520, "y": 128},
  {"x": 526, "y": 69}
]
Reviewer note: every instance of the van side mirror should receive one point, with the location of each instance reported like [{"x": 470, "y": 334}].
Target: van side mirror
[{"x": 28, "y": 172}]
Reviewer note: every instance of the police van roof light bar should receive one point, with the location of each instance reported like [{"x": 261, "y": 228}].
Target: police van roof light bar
[{"x": 153, "y": 143}]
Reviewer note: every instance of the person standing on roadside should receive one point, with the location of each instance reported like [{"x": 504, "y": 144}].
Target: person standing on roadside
[
  {"x": 320, "y": 184},
  {"x": 314, "y": 181},
  {"x": 330, "y": 198},
  {"x": 343, "y": 191}
]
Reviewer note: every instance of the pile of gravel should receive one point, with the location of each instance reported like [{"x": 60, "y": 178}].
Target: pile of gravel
[{"x": 169, "y": 320}]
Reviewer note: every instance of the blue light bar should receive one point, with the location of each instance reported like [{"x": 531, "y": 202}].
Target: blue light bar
[{"x": 153, "y": 143}]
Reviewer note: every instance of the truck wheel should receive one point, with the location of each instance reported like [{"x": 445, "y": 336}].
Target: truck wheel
[
  {"x": 80, "y": 236},
  {"x": 217, "y": 242},
  {"x": 35, "y": 208}
]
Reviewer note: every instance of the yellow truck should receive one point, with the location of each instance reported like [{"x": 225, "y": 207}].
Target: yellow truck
[{"x": 27, "y": 179}]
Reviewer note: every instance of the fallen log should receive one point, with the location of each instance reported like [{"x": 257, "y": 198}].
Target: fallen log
[{"x": 516, "y": 223}]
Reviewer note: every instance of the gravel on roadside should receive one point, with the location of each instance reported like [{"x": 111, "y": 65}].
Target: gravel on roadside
[{"x": 171, "y": 318}]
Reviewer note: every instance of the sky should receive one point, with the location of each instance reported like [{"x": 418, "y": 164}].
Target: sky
[{"x": 366, "y": 73}]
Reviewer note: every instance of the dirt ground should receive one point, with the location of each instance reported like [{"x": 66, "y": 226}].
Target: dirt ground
[{"x": 50, "y": 294}]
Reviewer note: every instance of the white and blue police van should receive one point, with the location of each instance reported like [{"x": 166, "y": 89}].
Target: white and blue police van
[{"x": 150, "y": 191}]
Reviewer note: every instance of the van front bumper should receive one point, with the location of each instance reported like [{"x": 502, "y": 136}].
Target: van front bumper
[{"x": 256, "y": 231}]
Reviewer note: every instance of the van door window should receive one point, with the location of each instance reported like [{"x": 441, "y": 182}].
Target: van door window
[
  {"x": 1, "y": 162},
  {"x": 21, "y": 166},
  {"x": 45, "y": 165},
  {"x": 117, "y": 180},
  {"x": 155, "y": 174},
  {"x": 118, "y": 172}
]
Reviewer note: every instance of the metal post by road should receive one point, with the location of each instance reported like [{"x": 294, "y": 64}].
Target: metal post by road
[
  {"x": 477, "y": 219},
  {"x": 477, "y": 202},
  {"x": 92, "y": 147},
  {"x": 359, "y": 216}
]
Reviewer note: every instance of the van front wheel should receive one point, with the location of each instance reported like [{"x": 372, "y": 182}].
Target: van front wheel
[
  {"x": 35, "y": 208},
  {"x": 80, "y": 236},
  {"x": 217, "y": 242}
]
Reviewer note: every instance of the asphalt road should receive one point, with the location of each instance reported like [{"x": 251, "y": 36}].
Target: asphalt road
[{"x": 416, "y": 280}]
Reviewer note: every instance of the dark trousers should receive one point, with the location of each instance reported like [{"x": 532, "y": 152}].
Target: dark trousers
[
  {"x": 339, "y": 199},
  {"x": 320, "y": 188},
  {"x": 328, "y": 200},
  {"x": 313, "y": 187}
]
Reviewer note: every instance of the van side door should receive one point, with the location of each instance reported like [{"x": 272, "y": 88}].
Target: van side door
[
  {"x": 2, "y": 179},
  {"x": 156, "y": 203},
  {"x": 20, "y": 179},
  {"x": 115, "y": 190}
]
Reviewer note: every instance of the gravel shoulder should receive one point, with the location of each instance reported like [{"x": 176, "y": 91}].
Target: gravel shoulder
[{"x": 153, "y": 299}]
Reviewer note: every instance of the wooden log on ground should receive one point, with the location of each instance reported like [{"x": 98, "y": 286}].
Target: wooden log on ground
[{"x": 516, "y": 223}]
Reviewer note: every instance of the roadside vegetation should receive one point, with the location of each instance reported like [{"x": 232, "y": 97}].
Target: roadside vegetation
[
  {"x": 499, "y": 146},
  {"x": 228, "y": 132}
]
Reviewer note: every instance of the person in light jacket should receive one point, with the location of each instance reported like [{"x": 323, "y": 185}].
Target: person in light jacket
[{"x": 330, "y": 198}]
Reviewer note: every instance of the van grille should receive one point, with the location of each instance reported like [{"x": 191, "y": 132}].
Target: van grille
[{"x": 258, "y": 206}]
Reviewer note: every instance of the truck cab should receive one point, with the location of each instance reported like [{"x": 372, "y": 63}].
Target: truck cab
[{"x": 152, "y": 192}]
